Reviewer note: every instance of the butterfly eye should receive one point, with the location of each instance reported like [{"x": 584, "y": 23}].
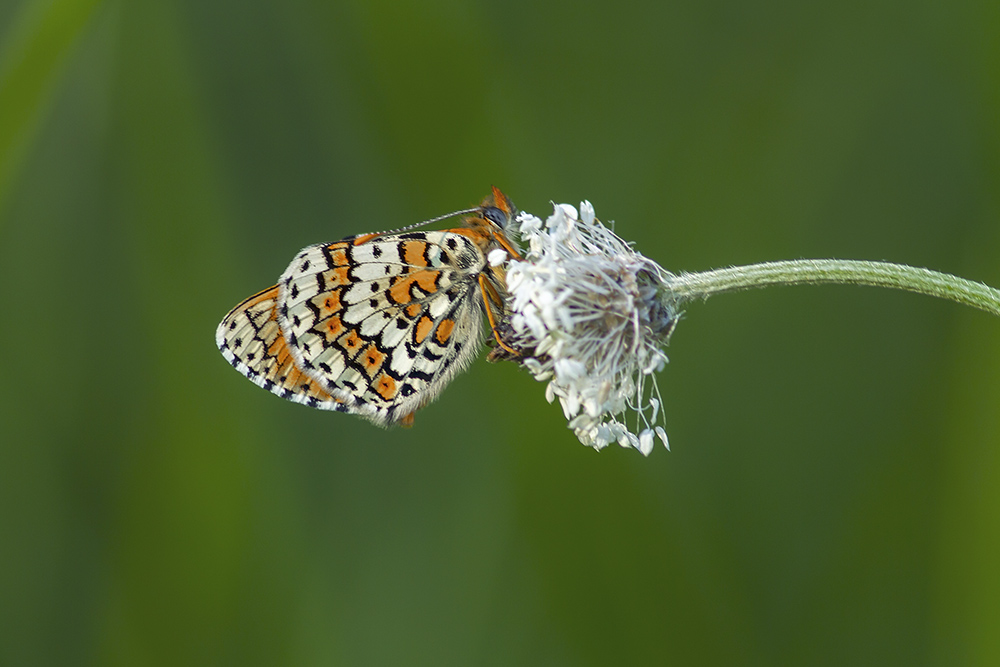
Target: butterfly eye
[{"x": 495, "y": 215}]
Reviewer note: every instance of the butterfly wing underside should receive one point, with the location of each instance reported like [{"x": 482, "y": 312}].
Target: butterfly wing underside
[
  {"x": 250, "y": 339},
  {"x": 384, "y": 324}
]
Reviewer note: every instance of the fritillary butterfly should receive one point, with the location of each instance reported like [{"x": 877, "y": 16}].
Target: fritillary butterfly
[{"x": 376, "y": 324}]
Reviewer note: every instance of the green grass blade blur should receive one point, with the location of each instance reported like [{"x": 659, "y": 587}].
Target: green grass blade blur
[
  {"x": 833, "y": 493},
  {"x": 38, "y": 37}
]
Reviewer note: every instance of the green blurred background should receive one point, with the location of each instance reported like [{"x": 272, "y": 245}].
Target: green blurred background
[{"x": 833, "y": 494}]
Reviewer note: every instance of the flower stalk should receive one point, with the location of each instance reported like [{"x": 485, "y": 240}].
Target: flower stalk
[{"x": 686, "y": 287}]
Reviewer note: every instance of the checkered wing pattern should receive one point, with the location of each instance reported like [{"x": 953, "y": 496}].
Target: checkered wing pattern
[
  {"x": 375, "y": 325},
  {"x": 385, "y": 324},
  {"x": 250, "y": 339}
]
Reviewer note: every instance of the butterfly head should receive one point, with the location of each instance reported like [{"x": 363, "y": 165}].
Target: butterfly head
[
  {"x": 494, "y": 219},
  {"x": 499, "y": 210}
]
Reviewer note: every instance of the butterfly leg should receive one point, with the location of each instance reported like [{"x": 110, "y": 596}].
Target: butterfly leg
[
  {"x": 511, "y": 250},
  {"x": 490, "y": 294}
]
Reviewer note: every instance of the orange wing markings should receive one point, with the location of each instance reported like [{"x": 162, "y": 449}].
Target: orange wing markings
[
  {"x": 402, "y": 289},
  {"x": 415, "y": 253},
  {"x": 327, "y": 303},
  {"x": 338, "y": 254},
  {"x": 365, "y": 238},
  {"x": 351, "y": 343},
  {"x": 424, "y": 327},
  {"x": 444, "y": 330},
  {"x": 275, "y": 367},
  {"x": 385, "y": 386},
  {"x": 372, "y": 359},
  {"x": 296, "y": 380},
  {"x": 332, "y": 329},
  {"x": 337, "y": 277}
]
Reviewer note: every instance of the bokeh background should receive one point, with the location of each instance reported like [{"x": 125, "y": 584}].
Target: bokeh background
[{"x": 833, "y": 493}]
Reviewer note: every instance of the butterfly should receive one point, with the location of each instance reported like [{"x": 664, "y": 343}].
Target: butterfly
[{"x": 377, "y": 324}]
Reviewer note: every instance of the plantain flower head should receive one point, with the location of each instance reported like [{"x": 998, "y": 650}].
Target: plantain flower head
[{"x": 591, "y": 316}]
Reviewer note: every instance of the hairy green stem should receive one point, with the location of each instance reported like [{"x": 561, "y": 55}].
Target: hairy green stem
[{"x": 691, "y": 286}]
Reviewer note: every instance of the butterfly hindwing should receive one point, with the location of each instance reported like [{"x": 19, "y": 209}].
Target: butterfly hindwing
[{"x": 250, "y": 339}]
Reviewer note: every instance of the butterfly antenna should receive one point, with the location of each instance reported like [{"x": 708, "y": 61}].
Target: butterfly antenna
[{"x": 432, "y": 220}]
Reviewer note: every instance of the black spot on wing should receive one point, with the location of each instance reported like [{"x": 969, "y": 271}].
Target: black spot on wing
[{"x": 419, "y": 375}]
